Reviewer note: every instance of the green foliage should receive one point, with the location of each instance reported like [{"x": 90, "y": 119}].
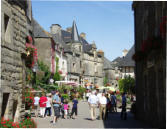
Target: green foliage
[
  {"x": 105, "y": 81},
  {"x": 29, "y": 76},
  {"x": 48, "y": 87},
  {"x": 26, "y": 123},
  {"x": 81, "y": 90},
  {"x": 65, "y": 96},
  {"x": 43, "y": 67},
  {"x": 57, "y": 64},
  {"x": 127, "y": 85},
  {"x": 57, "y": 76}
]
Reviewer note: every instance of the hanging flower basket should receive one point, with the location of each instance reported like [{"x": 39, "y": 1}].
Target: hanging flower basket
[
  {"x": 148, "y": 45},
  {"x": 31, "y": 51}
]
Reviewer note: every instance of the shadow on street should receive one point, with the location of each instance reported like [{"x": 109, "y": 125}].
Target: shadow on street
[{"x": 114, "y": 121}]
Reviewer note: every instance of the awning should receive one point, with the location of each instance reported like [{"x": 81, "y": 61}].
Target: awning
[
  {"x": 107, "y": 88},
  {"x": 68, "y": 83}
]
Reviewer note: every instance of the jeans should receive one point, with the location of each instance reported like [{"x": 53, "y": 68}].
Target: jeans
[{"x": 49, "y": 110}]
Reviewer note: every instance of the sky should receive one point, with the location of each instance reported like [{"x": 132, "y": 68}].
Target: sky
[{"x": 110, "y": 24}]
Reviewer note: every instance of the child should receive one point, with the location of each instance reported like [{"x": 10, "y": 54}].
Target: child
[
  {"x": 74, "y": 108},
  {"x": 65, "y": 109}
]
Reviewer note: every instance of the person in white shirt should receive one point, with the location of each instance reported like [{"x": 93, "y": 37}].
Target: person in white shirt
[
  {"x": 98, "y": 96},
  {"x": 36, "y": 104},
  {"x": 88, "y": 94},
  {"x": 93, "y": 101},
  {"x": 102, "y": 106}
]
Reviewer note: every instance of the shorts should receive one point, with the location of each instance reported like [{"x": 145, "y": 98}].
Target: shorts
[
  {"x": 56, "y": 111},
  {"x": 65, "y": 112},
  {"x": 74, "y": 110},
  {"x": 36, "y": 107}
]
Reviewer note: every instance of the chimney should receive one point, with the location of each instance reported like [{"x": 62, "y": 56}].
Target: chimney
[
  {"x": 124, "y": 52},
  {"x": 69, "y": 29},
  {"x": 83, "y": 35},
  {"x": 55, "y": 28}
]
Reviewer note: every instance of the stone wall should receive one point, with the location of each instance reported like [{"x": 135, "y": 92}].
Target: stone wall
[
  {"x": 93, "y": 69},
  {"x": 43, "y": 46},
  {"x": 13, "y": 38},
  {"x": 150, "y": 79}
]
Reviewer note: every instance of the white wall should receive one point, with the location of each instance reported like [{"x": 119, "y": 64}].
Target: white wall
[{"x": 62, "y": 64}]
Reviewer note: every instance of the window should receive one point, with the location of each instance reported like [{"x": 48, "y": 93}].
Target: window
[
  {"x": 73, "y": 65},
  {"x": 80, "y": 48},
  {"x": 15, "y": 103},
  {"x": 4, "y": 103},
  {"x": 6, "y": 21},
  {"x": 7, "y": 28}
]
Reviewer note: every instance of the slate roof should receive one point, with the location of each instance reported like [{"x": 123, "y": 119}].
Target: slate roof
[
  {"x": 67, "y": 38},
  {"x": 57, "y": 39},
  {"x": 107, "y": 64},
  {"x": 127, "y": 60},
  {"x": 116, "y": 62},
  {"x": 38, "y": 31},
  {"x": 74, "y": 34}
]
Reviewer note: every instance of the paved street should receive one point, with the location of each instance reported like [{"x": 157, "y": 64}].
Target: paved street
[{"x": 83, "y": 120}]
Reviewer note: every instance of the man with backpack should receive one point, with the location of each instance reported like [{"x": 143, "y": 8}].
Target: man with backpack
[
  {"x": 113, "y": 102},
  {"x": 123, "y": 112}
]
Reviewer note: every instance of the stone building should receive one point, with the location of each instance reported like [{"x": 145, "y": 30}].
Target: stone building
[
  {"x": 16, "y": 18},
  {"x": 50, "y": 49},
  {"x": 84, "y": 62},
  {"x": 126, "y": 64},
  {"x": 150, "y": 27},
  {"x": 43, "y": 43},
  {"x": 111, "y": 73}
]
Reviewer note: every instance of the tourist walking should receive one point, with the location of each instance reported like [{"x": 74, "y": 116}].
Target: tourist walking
[
  {"x": 123, "y": 112},
  {"x": 93, "y": 102},
  {"x": 65, "y": 106},
  {"x": 42, "y": 102},
  {"x": 88, "y": 94},
  {"x": 56, "y": 106},
  {"x": 102, "y": 106},
  {"x": 36, "y": 104},
  {"x": 98, "y": 94},
  {"x": 108, "y": 106},
  {"x": 113, "y": 102},
  {"x": 48, "y": 105},
  {"x": 74, "y": 107}
]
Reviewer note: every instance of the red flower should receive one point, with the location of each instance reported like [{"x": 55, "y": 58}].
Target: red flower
[
  {"x": 60, "y": 72},
  {"x": 3, "y": 122},
  {"x": 29, "y": 39}
]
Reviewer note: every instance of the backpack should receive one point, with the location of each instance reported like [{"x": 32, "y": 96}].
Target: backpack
[{"x": 112, "y": 99}]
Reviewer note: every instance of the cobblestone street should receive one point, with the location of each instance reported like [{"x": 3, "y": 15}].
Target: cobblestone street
[{"x": 83, "y": 120}]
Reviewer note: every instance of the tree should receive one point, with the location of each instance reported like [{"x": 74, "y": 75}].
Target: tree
[
  {"x": 105, "y": 81},
  {"x": 127, "y": 85},
  {"x": 47, "y": 74},
  {"x": 57, "y": 76}
]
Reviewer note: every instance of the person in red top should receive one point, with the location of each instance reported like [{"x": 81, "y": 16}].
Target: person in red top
[{"x": 42, "y": 104}]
